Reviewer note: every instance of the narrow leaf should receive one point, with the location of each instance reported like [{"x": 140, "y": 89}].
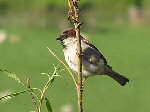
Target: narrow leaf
[
  {"x": 50, "y": 81},
  {"x": 48, "y": 105},
  {"x": 12, "y": 75},
  {"x": 12, "y": 95}
]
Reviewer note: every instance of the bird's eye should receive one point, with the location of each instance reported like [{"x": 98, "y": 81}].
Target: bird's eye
[{"x": 63, "y": 37}]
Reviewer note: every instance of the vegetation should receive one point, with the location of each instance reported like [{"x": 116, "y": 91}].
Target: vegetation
[
  {"x": 126, "y": 49},
  {"x": 29, "y": 27}
]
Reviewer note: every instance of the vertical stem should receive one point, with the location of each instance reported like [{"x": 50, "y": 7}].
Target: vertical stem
[
  {"x": 33, "y": 98},
  {"x": 80, "y": 89},
  {"x": 79, "y": 52},
  {"x": 75, "y": 18}
]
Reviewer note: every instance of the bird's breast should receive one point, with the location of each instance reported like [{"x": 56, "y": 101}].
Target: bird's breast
[{"x": 71, "y": 57}]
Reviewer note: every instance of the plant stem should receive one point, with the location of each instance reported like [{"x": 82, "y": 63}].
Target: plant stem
[
  {"x": 64, "y": 65},
  {"x": 41, "y": 102},
  {"x": 80, "y": 85},
  {"x": 31, "y": 93},
  {"x": 73, "y": 16},
  {"x": 50, "y": 80},
  {"x": 79, "y": 52}
]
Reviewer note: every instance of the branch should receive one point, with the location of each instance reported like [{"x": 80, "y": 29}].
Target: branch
[
  {"x": 75, "y": 18},
  {"x": 33, "y": 98},
  {"x": 64, "y": 65}
]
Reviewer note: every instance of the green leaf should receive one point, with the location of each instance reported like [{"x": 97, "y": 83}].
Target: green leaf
[
  {"x": 48, "y": 105},
  {"x": 12, "y": 95},
  {"x": 12, "y": 75}
]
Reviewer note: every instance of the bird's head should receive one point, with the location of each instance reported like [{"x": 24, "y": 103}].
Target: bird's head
[{"x": 68, "y": 36}]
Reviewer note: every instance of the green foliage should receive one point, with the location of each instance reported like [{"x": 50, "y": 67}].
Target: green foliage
[
  {"x": 26, "y": 5},
  {"x": 12, "y": 95},
  {"x": 13, "y": 76},
  {"x": 138, "y": 3},
  {"x": 48, "y": 12},
  {"x": 48, "y": 105},
  {"x": 31, "y": 90},
  {"x": 125, "y": 47}
]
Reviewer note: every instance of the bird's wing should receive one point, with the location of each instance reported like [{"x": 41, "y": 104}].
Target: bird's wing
[{"x": 92, "y": 54}]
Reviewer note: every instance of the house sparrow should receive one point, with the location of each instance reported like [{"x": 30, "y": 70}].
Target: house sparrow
[{"x": 93, "y": 62}]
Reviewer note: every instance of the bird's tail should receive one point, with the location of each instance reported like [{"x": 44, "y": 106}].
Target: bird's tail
[{"x": 119, "y": 78}]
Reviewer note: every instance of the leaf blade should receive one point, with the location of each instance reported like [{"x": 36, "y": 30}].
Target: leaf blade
[
  {"x": 12, "y": 95},
  {"x": 48, "y": 105},
  {"x": 12, "y": 75}
]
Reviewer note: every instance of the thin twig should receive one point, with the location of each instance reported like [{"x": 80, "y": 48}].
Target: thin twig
[
  {"x": 45, "y": 88},
  {"x": 33, "y": 98},
  {"x": 64, "y": 65}
]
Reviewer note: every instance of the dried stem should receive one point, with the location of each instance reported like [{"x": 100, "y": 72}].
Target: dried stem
[
  {"x": 33, "y": 98},
  {"x": 64, "y": 65},
  {"x": 75, "y": 18}
]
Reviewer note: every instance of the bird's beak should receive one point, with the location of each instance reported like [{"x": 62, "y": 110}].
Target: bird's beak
[
  {"x": 61, "y": 37},
  {"x": 58, "y": 38}
]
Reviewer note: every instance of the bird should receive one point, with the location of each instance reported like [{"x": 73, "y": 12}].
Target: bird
[{"x": 93, "y": 61}]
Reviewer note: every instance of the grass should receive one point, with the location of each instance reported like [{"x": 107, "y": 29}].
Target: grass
[{"x": 126, "y": 48}]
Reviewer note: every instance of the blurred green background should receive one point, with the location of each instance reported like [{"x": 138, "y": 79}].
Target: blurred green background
[{"x": 119, "y": 28}]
